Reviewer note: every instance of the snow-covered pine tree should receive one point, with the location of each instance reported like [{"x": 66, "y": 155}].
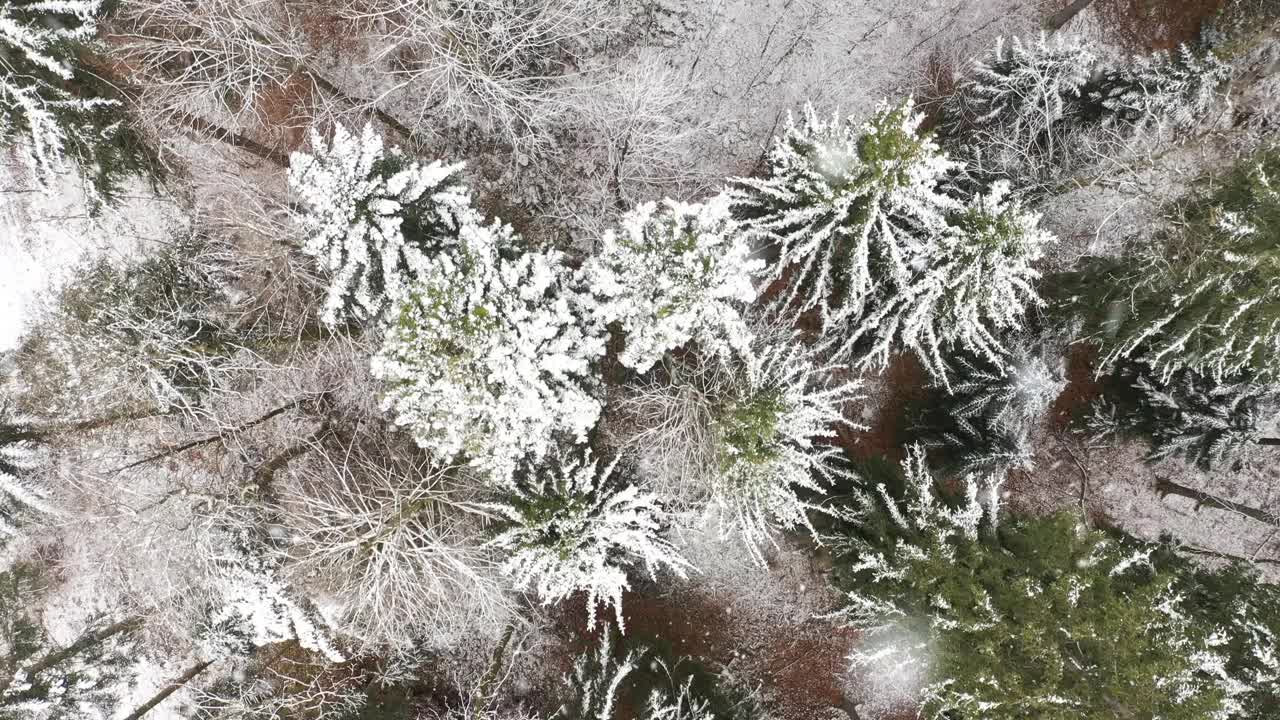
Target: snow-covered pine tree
[
  {"x": 373, "y": 217},
  {"x": 971, "y": 284},
  {"x": 571, "y": 524},
  {"x": 1202, "y": 420},
  {"x": 256, "y": 608},
  {"x": 592, "y": 687},
  {"x": 42, "y": 680},
  {"x": 1166, "y": 89},
  {"x": 55, "y": 106},
  {"x": 124, "y": 338},
  {"x": 673, "y": 273},
  {"x": 849, "y": 208},
  {"x": 766, "y": 419},
  {"x": 20, "y": 454},
  {"x": 492, "y": 354},
  {"x": 742, "y": 439},
  {"x": 1247, "y": 608},
  {"x": 1102, "y": 628},
  {"x": 989, "y": 414},
  {"x": 1206, "y": 295}
]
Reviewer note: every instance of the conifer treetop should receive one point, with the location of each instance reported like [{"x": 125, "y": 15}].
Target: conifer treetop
[{"x": 372, "y": 218}]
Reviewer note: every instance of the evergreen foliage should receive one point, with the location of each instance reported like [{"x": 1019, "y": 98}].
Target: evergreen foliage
[
  {"x": 1192, "y": 416},
  {"x": 988, "y": 416},
  {"x": 1034, "y": 617},
  {"x": 847, "y": 206},
  {"x": 1206, "y": 296},
  {"x": 572, "y": 525},
  {"x": 975, "y": 284},
  {"x": 39, "y": 680},
  {"x": 767, "y": 422},
  {"x": 1176, "y": 89},
  {"x": 648, "y": 676},
  {"x": 257, "y": 608},
  {"x": 20, "y": 455},
  {"x": 373, "y": 218},
  {"x": 491, "y": 354},
  {"x": 870, "y": 237},
  {"x": 57, "y": 104},
  {"x": 675, "y": 273},
  {"x": 157, "y": 325}
]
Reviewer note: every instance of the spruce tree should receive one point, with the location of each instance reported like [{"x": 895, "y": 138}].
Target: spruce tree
[
  {"x": 1196, "y": 417},
  {"x": 571, "y": 524},
  {"x": 19, "y": 456},
  {"x": 1205, "y": 295},
  {"x": 373, "y": 218},
  {"x": 41, "y": 680},
  {"x": 56, "y": 106},
  {"x": 673, "y": 273},
  {"x": 492, "y": 356},
  {"x": 873, "y": 237},
  {"x": 1031, "y": 617},
  {"x": 987, "y": 418}
]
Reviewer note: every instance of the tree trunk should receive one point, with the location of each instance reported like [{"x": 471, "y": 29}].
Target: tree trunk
[
  {"x": 86, "y": 641},
  {"x": 234, "y": 139},
  {"x": 266, "y": 471},
  {"x": 1164, "y": 487},
  {"x": 1269, "y": 441},
  {"x": 328, "y": 87},
  {"x": 168, "y": 690},
  {"x": 1228, "y": 556},
  {"x": 1055, "y": 21},
  {"x": 485, "y": 691},
  {"x": 176, "y": 449}
]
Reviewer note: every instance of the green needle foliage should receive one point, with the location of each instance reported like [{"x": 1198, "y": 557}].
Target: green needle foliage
[
  {"x": 1037, "y": 617},
  {"x": 1206, "y": 295}
]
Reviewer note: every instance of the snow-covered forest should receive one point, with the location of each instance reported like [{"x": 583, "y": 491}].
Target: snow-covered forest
[{"x": 639, "y": 359}]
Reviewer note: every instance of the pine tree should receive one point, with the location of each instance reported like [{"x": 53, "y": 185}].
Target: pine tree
[
  {"x": 1205, "y": 296},
  {"x": 990, "y": 412},
  {"x": 870, "y": 234},
  {"x": 256, "y": 608},
  {"x": 595, "y": 681},
  {"x": 491, "y": 356},
  {"x": 373, "y": 218},
  {"x": 766, "y": 422},
  {"x": 39, "y": 680},
  {"x": 57, "y": 104},
  {"x": 675, "y": 273},
  {"x": 1177, "y": 89},
  {"x": 849, "y": 208},
  {"x": 19, "y": 456},
  {"x": 1036, "y": 617},
  {"x": 973, "y": 285},
  {"x": 1192, "y": 416},
  {"x": 742, "y": 440},
  {"x": 1237, "y": 599},
  {"x": 572, "y": 525}
]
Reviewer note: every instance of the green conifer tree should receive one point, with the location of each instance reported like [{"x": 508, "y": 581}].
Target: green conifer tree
[
  {"x": 1204, "y": 296},
  {"x": 40, "y": 680},
  {"x": 1034, "y": 617},
  {"x": 1192, "y": 416},
  {"x": 56, "y": 104}
]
